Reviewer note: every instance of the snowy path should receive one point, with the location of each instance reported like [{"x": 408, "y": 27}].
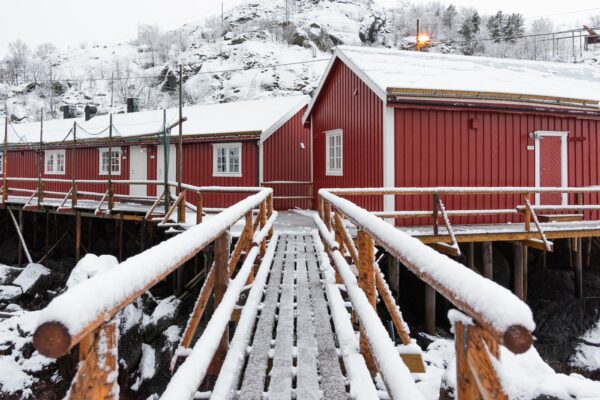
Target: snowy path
[{"x": 293, "y": 353}]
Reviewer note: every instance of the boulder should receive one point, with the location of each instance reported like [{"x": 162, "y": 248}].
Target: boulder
[
  {"x": 35, "y": 278},
  {"x": 164, "y": 315}
]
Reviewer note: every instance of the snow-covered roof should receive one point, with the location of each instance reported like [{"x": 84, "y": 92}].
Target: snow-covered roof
[
  {"x": 262, "y": 116},
  {"x": 390, "y": 71}
]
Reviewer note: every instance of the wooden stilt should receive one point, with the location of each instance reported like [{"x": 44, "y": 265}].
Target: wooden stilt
[
  {"x": 77, "y": 236},
  {"x": 488, "y": 261},
  {"x": 143, "y": 235},
  {"x": 35, "y": 232},
  {"x": 570, "y": 250},
  {"x": 588, "y": 252},
  {"x": 120, "y": 234},
  {"x": 471, "y": 255},
  {"x": 20, "y": 248},
  {"x": 89, "y": 234},
  {"x": 578, "y": 268},
  {"x": 545, "y": 260},
  {"x": 366, "y": 281},
  {"x": 525, "y": 271},
  {"x": 47, "y": 233},
  {"x": 518, "y": 269},
  {"x": 429, "y": 309},
  {"x": 222, "y": 245}
]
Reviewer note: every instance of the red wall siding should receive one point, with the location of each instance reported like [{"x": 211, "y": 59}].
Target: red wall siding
[
  {"x": 24, "y": 163},
  {"x": 285, "y": 160},
  {"x": 346, "y": 102},
  {"x": 198, "y": 170},
  {"x": 438, "y": 147}
]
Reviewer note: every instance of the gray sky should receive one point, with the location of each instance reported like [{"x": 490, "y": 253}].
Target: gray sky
[{"x": 71, "y": 22}]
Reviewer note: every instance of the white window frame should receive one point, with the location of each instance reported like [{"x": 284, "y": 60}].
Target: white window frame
[
  {"x": 103, "y": 150},
  {"x": 564, "y": 162},
  {"x": 216, "y": 147},
  {"x": 329, "y": 171},
  {"x": 55, "y": 155},
  {"x": 1, "y": 162}
]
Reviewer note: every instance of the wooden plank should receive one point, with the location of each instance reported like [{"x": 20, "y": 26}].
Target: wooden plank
[
  {"x": 332, "y": 379},
  {"x": 307, "y": 386},
  {"x": 280, "y": 386},
  {"x": 560, "y": 217},
  {"x": 466, "y": 389},
  {"x": 538, "y": 244},
  {"x": 253, "y": 383},
  {"x": 480, "y": 364}
]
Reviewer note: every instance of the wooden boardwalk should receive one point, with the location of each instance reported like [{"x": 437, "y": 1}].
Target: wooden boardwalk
[{"x": 294, "y": 352}]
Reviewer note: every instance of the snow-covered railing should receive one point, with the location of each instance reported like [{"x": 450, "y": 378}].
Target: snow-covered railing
[
  {"x": 492, "y": 314},
  {"x": 85, "y": 313}
]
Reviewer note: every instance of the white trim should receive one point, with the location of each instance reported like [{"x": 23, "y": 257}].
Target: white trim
[
  {"x": 55, "y": 154},
  {"x": 564, "y": 164},
  {"x": 339, "y": 54},
  {"x": 389, "y": 157},
  {"x": 329, "y": 171},
  {"x": 303, "y": 101},
  {"x": 102, "y": 150},
  {"x": 261, "y": 167},
  {"x": 1, "y": 162},
  {"x": 216, "y": 146}
]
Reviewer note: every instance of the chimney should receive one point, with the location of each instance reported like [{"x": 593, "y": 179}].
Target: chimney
[
  {"x": 90, "y": 112},
  {"x": 69, "y": 111},
  {"x": 133, "y": 104}
]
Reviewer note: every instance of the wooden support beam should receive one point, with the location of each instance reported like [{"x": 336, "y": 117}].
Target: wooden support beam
[
  {"x": 429, "y": 309},
  {"x": 199, "y": 207},
  {"x": 270, "y": 212},
  {"x": 471, "y": 255},
  {"x": 518, "y": 270},
  {"x": 488, "y": 260},
  {"x": 120, "y": 235},
  {"x": 222, "y": 245},
  {"x": 96, "y": 377},
  {"x": 262, "y": 221},
  {"x": 538, "y": 244},
  {"x": 578, "y": 275},
  {"x": 481, "y": 366},
  {"x": 366, "y": 281},
  {"x": 525, "y": 271},
  {"x": 77, "y": 236},
  {"x": 466, "y": 388}
]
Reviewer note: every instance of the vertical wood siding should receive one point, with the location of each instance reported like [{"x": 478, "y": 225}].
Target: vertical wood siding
[
  {"x": 439, "y": 147},
  {"x": 345, "y": 102},
  {"x": 285, "y": 160}
]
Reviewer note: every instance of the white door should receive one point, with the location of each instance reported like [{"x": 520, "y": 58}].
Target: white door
[
  {"x": 138, "y": 170},
  {"x": 551, "y": 165},
  {"x": 160, "y": 165}
]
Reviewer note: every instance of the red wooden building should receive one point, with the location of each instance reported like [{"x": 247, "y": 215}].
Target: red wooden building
[
  {"x": 248, "y": 143},
  {"x": 390, "y": 118}
]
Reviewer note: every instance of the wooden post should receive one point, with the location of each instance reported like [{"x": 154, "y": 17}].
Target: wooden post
[
  {"x": 270, "y": 212},
  {"x": 429, "y": 309},
  {"x": 20, "y": 248},
  {"x": 74, "y": 168},
  {"x": 338, "y": 226},
  {"x": 181, "y": 209},
  {"x": 525, "y": 271},
  {"x": 578, "y": 270},
  {"x": 120, "y": 234},
  {"x": 199, "y": 206},
  {"x": 327, "y": 214},
  {"x": 262, "y": 218},
  {"x": 588, "y": 252},
  {"x": 466, "y": 388},
  {"x": 5, "y": 162},
  {"x": 471, "y": 255},
  {"x": 488, "y": 260},
  {"x": 518, "y": 269},
  {"x": 166, "y": 152},
  {"x": 96, "y": 377},
  {"x": 527, "y": 213},
  {"x": 110, "y": 155},
  {"x": 77, "y": 236},
  {"x": 435, "y": 207},
  {"x": 143, "y": 235},
  {"x": 366, "y": 281},
  {"x": 41, "y": 161},
  {"x": 221, "y": 282}
]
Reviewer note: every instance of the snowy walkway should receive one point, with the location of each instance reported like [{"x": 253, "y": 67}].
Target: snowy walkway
[{"x": 293, "y": 353}]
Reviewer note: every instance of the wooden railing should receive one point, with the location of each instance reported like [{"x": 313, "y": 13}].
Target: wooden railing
[
  {"x": 85, "y": 314},
  {"x": 489, "y": 316}
]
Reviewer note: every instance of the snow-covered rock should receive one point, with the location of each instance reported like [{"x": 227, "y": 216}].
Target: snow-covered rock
[
  {"x": 34, "y": 278},
  {"x": 89, "y": 266}
]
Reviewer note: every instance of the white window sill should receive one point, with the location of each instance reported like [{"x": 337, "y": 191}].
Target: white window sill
[
  {"x": 334, "y": 173},
  {"x": 223, "y": 175}
]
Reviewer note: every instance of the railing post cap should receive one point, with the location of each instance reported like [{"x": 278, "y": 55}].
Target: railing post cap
[{"x": 52, "y": 339}]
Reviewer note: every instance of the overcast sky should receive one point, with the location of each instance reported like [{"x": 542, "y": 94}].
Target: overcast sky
[{"x": 71, "y": 22}]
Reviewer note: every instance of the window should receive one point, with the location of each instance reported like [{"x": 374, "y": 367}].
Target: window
[
  {"x": 55, "y": 162},
  {"x": 105, "y": 160},
  {"x": 334, "y": 152},
  {"x": 227, "y": 159}
]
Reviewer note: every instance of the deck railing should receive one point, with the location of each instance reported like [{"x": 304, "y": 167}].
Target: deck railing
[
  {"x": 85, "y": 314},
  {"x": 489, "y": 315}
]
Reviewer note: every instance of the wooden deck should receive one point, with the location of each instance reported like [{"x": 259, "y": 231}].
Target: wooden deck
[{"x": 293, "y": 352}]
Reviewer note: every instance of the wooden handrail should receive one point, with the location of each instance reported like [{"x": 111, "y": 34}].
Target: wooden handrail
[
  {"x": 460, "y": 190},
  {"x": 513, "y": 329},
  {"x": 81, "y": 310}
]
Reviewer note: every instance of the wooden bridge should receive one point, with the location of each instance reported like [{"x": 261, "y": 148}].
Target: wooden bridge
[{"x": 303, "y": 295}]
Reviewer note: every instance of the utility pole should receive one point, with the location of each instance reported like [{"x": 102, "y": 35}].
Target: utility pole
[
  {"x": 74, "y": 168},
  {"x": 112, "y": 91},
  {"x": 110, "y": 163},
  {"x": 5, "y": 159},
  {"x": 166, "y": 151},
  {"x": 181, "y": 210},
  {"x": 417, "y": 45},
  {"x": 41, "y": 159}
]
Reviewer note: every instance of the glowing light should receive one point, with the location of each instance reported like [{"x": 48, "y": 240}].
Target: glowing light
[{"x": 423, "y": 38}]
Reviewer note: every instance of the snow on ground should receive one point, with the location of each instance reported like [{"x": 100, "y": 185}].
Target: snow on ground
[{"x": 587, "y": 354}]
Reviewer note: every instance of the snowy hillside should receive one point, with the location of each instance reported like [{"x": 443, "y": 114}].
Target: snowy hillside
[{"x": 234, "y": 58}]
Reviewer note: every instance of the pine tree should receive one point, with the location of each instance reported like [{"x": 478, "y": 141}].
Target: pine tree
[
  {"x": 469, "y": 29},
  {"x": 495, "y": 26},
  {"x": 513, "y": 27},
  {"x": 449, "y": 16}
]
